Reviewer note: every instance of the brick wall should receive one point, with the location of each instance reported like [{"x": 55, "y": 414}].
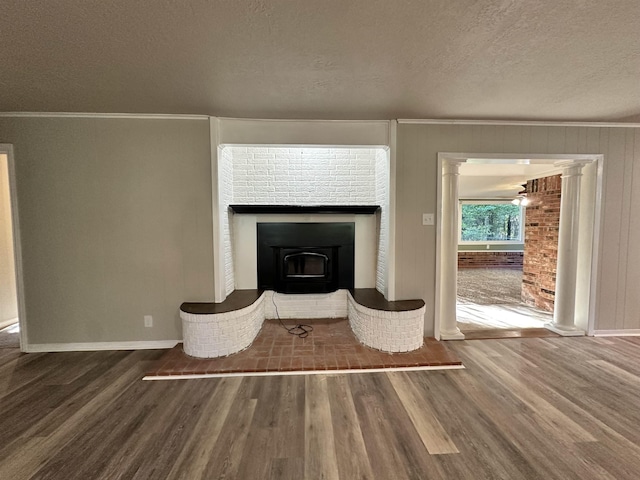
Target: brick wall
[
  {"x": 489, "y": 259},
  {"x": 225, "y": 175},
  {"x": 304, "y": 176},
  {"x": 542, "y": 222},
  {"x": 382, "y": 199}
]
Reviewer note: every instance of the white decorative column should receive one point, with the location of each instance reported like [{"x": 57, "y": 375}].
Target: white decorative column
[
  {"x": 449, "y": 259},
  {"x": 567, "y": 263}
]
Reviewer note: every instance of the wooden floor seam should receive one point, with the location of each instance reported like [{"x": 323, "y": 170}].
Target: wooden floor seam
[{"x": 304, "y": 372}]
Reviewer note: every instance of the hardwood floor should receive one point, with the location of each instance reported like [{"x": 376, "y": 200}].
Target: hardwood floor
[{"x": 530, "y": 408}]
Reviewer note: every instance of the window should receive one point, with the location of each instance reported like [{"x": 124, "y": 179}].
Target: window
[{"x": 488, "y": 221}]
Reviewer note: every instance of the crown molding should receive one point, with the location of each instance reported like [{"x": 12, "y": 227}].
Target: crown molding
[
  {"x": 409, "y": 121},
  {"x": 518, "y": 123},
  {"x": 131, "y": 116}
]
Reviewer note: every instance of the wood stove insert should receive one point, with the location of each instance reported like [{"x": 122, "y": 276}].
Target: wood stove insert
[{"x": 305, "y": 257}]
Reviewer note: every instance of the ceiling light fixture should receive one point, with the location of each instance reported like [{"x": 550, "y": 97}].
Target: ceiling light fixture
[{"x": 520, "y": 200}]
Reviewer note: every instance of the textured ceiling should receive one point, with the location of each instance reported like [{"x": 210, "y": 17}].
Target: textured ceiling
[
  {"x": 340, "y": 59},
  {"x": 500, "y": 180}
]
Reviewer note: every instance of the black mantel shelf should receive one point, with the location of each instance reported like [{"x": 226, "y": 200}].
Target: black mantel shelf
[{"x": 306, "y": 209}]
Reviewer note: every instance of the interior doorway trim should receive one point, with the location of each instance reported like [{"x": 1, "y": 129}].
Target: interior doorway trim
[
  {"x": 591, "y": 191},
  {"x": 7, "y": 149}
]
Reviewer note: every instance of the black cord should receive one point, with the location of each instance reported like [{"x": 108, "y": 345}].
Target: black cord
[{"x": 300, "y": 330}]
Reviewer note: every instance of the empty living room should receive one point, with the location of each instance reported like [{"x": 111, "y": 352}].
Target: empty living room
[{"x": 304, "y": 240}]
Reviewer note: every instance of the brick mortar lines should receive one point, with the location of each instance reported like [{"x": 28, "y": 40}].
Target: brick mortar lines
[{"x": 542, "y": 224}]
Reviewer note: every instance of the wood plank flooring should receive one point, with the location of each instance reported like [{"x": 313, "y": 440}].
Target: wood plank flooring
[{"x": 524, "y": 408}]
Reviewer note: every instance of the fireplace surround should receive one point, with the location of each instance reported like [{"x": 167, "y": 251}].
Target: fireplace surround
[{"x": 305, "y": 257}]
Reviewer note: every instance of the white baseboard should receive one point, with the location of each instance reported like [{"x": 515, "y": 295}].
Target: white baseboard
[
  {"x": 617, "y": 333},
  {"x": 94, "y": 346}
]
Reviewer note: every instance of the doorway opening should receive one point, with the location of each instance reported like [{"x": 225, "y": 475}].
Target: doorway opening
[
  {"x": 484, "y": 240},
  {"x": 12, "y": 322},
  {"x": 508, "y": 240}
]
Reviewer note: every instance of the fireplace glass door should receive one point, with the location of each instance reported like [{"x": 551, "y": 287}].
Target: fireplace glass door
[
  {"x": 305, "y": 265},
  {"x": 306, "y": 269}
]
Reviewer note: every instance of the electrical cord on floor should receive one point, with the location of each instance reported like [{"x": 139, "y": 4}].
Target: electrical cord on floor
[{"x": 300, "y": 330}]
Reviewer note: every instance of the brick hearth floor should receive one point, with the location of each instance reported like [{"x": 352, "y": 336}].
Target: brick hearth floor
[{"x": 331, "y": 346}]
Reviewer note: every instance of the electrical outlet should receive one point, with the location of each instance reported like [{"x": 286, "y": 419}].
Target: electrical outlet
[
  {"x": 148, "y": 321},
  {"x": 428, "y": 219}
]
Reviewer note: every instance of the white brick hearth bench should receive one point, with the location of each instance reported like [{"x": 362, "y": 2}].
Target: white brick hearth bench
[
  {"x": 387, "y": 326},
  {"x": 220, "y": 329}
]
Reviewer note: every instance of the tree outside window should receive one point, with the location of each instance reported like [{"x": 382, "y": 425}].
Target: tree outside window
[{"x": 490, "y": 222}]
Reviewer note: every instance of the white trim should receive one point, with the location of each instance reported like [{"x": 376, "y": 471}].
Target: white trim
[
  {"x": 595, "y": 247},
  {"x": 418, "y": 121},
  {"x": 463, "y": 157},
  {"x": 137, "y": 116},
  {"x": 538, "y": 158},
  {"x": 484, "y": 250},
  {"x": 95, "y": 346},
  {"x": 219, "y": 282},
  {"x": 438, "y": 293},
  {"x": 616, "y": 333},
  {"x": 303, "y": 372},
  {"x": 7, "y": 149},
  {"x": 391, "y": 234},
  {"x": 518, "y": 123},
  {"x": 303, "y": 120},
  {"x": 564, "y": 333}
]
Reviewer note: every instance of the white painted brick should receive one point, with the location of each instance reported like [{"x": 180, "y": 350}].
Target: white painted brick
[
  {"x": 279, "y": 150},
  {"x": 209, "y": 336},
  {"x": 387, "y": 331}
]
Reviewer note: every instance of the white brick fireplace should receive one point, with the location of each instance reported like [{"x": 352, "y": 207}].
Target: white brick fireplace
[
  {"x": 306, "y": 176},
  {"x": 335, "y": 172}
]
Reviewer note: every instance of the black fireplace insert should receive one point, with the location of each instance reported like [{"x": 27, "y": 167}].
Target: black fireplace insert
[{"x": 305, "y": 257}]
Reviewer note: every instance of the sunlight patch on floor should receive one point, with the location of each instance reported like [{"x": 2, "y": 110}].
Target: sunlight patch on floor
[
  {"x": 15, "y": 328},
  {"x": 474, "y": 316}
]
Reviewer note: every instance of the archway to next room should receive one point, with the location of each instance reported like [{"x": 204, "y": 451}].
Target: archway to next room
[
  {"x": 507, "y": 248},
  {"x": 494, "y": 295}
]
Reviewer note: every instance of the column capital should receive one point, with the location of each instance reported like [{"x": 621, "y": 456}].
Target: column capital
[
  {"x": 571, "y": 167},
  {"x": 453, "y": 161},
  {"x": 451, "y": 167}
]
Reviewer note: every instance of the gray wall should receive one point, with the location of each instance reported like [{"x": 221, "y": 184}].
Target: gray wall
[
  {"x": 619, "y": 274},
  {"x": 115, "y": 218}
]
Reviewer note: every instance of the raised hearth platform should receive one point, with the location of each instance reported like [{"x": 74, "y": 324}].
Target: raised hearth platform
[
  {"x": 332, "y": 348},
  {"x": 238, "y": 300},
  {"x": 215, "y": 330},
  {"x": 383, "y": 325}
]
